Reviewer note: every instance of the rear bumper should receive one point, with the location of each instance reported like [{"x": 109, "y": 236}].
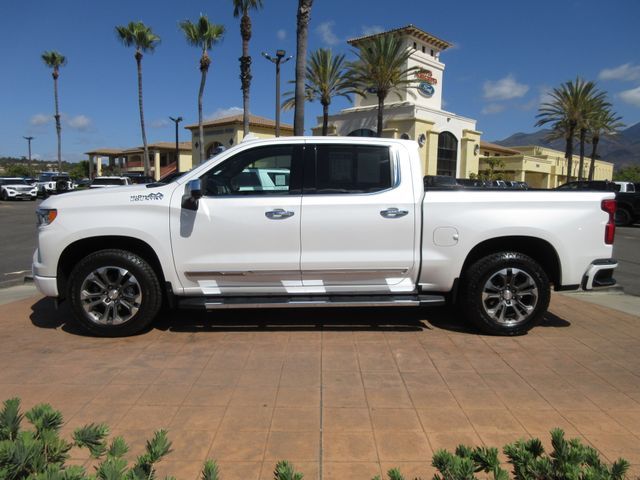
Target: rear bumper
[{"x": 600, "y": 274}]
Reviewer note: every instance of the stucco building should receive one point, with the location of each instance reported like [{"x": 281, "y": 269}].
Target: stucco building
[
  {"x": 228, "y": 131},
  {"x": 449, "y": 143},
  {"x": 540, "y": 167}
]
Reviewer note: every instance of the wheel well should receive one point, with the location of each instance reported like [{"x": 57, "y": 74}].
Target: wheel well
[
  {"x": 539, "y": 250},
  {"x": 81, "y": 248}
]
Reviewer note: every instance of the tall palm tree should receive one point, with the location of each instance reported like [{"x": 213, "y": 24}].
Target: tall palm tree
[
  {"x": 326, "y": 78},
  {"x": 204, "y": 35},
  {"x": 302, "y": 34},
  {"x": 55, "y": 60},
  {"x": 381, "y": 68},
  {"x": 241, "y": 9},
  {"x": 566, "y": 111},
  {"x": 604, "y": 123},
  {"x": 592, "y": 103},
  {"x": 138, "y": 35}
]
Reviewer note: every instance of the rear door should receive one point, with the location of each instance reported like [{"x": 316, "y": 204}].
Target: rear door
[{"x": 358, "y": 219}]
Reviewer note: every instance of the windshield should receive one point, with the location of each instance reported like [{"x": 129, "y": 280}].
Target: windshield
[{"x": 13, "y": 181}]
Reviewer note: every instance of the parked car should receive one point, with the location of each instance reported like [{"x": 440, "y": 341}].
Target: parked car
[
  {"x": 469, "y": 182},
  {"x": 16, "y": 188},
  {"x": 54, "y": 182},
  {"x": 138, "y": 178},
  {"x": 111, "y": 181},
  {"x": 626, "y": 187},
  {"x": 359, "y": 229},
  {"x": 628, "y": 203}
]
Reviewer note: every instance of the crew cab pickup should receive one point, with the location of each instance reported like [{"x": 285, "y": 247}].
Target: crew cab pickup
[{"x": 318, "y": 221}]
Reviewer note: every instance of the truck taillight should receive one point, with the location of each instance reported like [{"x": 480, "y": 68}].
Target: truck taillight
[{"x": 609, "y": 206}]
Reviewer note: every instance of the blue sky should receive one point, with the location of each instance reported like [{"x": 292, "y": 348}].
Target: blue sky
[{"x": 507, "y": 54}]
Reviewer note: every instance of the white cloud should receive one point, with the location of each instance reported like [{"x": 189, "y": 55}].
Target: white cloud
[
  {"x": 325, "y": 30},
  {"x": 626, "y": 72},
  {"x": 160, "y": 123},
  {"x": 492, "y": 109},
  {"x": 40, "y": 119},
  {"x": 224, "y": 112},
  {"x": 281, "y": 34},
  {"x": 79, "y": 122},
  {"x": 631, "y": 97},
  {"x": 371, "y": 29},
  {"x": 504, "y": 89}
]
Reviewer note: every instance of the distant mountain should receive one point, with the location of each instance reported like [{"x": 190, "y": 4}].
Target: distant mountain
[{"x": 623, "y": 149}]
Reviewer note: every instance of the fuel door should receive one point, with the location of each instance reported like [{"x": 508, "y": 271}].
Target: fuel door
[{"x": 445, "y": 236}]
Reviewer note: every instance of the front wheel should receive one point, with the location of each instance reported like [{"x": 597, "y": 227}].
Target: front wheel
[
  {"x": 114, "y": 293},
  {"x": 505, "y": 293},
  {"x": 4, "y": 196}
]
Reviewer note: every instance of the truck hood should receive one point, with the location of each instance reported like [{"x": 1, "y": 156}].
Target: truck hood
[{"x": 114, "y": 196}]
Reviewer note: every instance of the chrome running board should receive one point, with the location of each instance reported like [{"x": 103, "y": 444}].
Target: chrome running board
[{"x": 216, "y": 303}]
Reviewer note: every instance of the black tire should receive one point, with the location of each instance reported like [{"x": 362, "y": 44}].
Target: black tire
[
  {"x": 518, "y": 293},
  {"x": 4, "y": 196},
  {"x": 141, "y": 284},
  {"x": 622, "y": 217}
]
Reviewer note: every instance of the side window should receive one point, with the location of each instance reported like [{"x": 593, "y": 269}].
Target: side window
[
  {"x": 258, "y": 171},
  {"x": 344, "y": 169}
]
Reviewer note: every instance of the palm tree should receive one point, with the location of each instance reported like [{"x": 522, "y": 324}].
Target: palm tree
[
  {"x": 604, "y": 122},
  {"x": 567, "y": 110},
  {"x": 380, "y": 68},
  {"x": 241, "y": 9},
  {"x": 138, "y": 35},
  {"x": 204, "y": 35},
  {"x": 302, "y": 34},
  {"x": 592, "y": 103},
  {"x": 325, "y": 79},
  {"x": 55, "y": 60}
]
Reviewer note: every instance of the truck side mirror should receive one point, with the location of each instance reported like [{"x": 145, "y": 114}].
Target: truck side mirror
[{"x": 190, "y": 200}]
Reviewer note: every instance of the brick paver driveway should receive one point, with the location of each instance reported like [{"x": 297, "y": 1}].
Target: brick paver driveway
[{"x": 342, "y": 394}]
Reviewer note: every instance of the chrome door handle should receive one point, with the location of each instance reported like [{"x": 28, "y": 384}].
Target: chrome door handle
[
  {"x": 278, "y": 213},
  {"x": 393, "y": 213}
]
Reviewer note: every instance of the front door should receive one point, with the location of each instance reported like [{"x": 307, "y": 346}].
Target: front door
[
  {"x": 244, "y": 238},
  {"x": 358, "y": 220}
]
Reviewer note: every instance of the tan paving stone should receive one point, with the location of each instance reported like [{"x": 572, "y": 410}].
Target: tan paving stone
[
  {"x": 349, "y": 447},
  {"x": 346, "y": 420},
  {"x": 296, "y": 419},
  {"x": 403, "y": 446},
  {"x": 239, "y": 446},
  {"x": 444, "y": 420},
  {"x": 293, "y": 445},
  {"x": 351, "y": 470},
  {"x": 397, "y": 419}
]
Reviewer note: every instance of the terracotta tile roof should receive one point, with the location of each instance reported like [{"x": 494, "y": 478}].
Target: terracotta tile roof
[
  {"x": 498, "y": 148},
  {"x": 160, "y": 145},
  {"x": 254, "y": 120},
  {"x": 106, "y": 152},
  {"x": 409, "y": 30}
]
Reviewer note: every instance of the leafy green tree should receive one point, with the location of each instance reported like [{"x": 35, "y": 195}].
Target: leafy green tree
[
  {"x": 138, "y": 35},
  {"x": 241, "y": 9},
  {"x": 604, "y": 122},
  {"x": 79, "y": 170},
  {"x": 204, "y": 35},
  {"x": 380, "y": 68},
  {"x": 17, "y": 170},
  {"x": 326, "y": 78},
  {"x": 568, "y": 110},
  {"x": 630, "y": 173},
  {"x": 55, "y": 60},
  {"x": 302, "y": 36}
]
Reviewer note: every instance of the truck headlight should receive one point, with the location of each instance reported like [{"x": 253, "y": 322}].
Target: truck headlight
[{"x": 46, "y": 216}]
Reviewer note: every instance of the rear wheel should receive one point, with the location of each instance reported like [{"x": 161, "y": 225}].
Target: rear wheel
[
  {"x": 506, "y": 293},
  {"x": 114, "y": 293}
]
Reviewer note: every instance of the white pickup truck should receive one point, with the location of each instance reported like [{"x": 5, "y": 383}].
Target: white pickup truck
[{"x": 341, "y": 222}]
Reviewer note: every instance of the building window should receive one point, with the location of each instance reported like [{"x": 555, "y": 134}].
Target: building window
[
  {"x": 432, "y": 52},
  {"x": 424, "y": 49},
  {"x": 447, "y": 154},
  {"x": 415, "y": 46},
  {"x": 362, "y": 132}
]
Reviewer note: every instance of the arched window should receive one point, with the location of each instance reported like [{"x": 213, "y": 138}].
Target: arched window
[
  {"x": 362, "y": 132},
  {"x": 447, "y": 154}
]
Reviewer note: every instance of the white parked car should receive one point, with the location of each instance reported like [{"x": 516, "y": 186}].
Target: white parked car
[
  {"x": 54, "y": 182},
  {"x": 342, "y": 221},
  {"x": 16, "y": 188},
  {"x": 111, "y": 181}
]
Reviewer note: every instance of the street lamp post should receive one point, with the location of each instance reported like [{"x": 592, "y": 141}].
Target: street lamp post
[
  {"x": 177, "y": 121},
  {"x": 278, "y": 60},
  {"x": 28, "y": 139}
]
